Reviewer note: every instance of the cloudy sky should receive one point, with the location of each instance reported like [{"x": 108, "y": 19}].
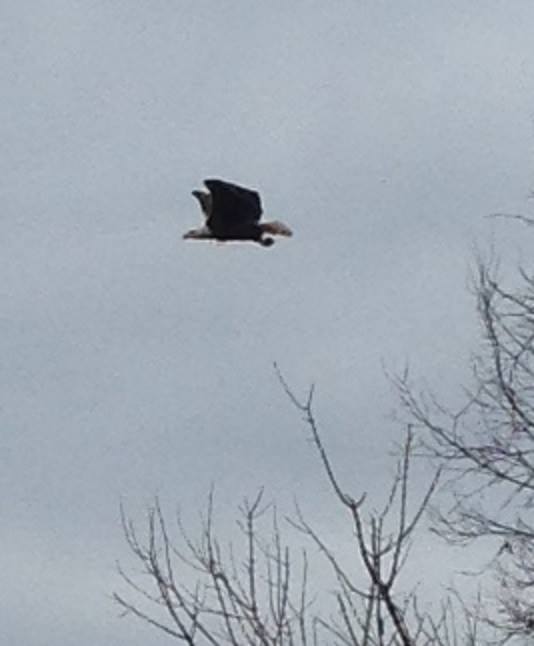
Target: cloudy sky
[{"x": 136, "y": 364}]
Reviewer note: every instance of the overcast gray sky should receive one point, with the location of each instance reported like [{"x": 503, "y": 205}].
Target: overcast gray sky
[{"x": 136, "y": 364}]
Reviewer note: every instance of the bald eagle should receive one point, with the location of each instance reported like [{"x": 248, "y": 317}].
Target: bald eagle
[{"x": 233, "y": 213}]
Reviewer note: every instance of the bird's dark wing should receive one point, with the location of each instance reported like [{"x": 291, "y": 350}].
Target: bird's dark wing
[{"x": 232, "y": 205}]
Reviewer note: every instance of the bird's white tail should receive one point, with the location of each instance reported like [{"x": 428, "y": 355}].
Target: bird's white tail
[{"x": 276, "y": 228}]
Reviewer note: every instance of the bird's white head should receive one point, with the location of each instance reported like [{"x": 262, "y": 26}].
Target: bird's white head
[{"x": 201, "y": 233}]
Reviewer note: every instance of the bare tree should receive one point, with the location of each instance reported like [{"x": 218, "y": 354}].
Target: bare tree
[
  {"x": 382, "y": 552},
  {"x": 211, "y": 595},
  {"x": 258, "y": 592},
  {"x": 486, "y": 448}
]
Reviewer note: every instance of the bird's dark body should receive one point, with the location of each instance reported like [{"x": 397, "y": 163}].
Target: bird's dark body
[
  {"x": 238, "y": 232},
  {"x": 235, "y": 211}
]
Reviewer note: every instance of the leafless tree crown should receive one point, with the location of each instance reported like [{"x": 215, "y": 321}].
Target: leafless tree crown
[
  {"x": 258, "y": 592},
  {"x": 487, "y": 447}
]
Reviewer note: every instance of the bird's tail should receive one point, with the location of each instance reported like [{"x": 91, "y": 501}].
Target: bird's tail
[{"x": 276, "y": 228}]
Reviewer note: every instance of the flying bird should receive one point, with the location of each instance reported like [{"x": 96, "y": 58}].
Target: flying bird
[{"x": 233, "y": 213}]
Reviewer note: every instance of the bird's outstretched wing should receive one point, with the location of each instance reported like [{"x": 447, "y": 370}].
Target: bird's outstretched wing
[
  {"x": 205, "y": 202},
  {"x": 232, "y": 205}
]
